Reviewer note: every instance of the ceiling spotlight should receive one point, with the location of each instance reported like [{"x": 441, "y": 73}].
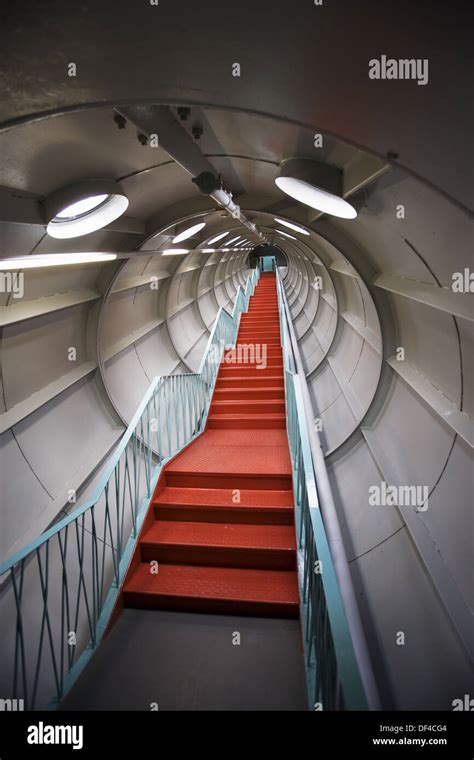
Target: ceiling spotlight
[
  {"x": 207, "y": 250},
  {"x": 286, "y": 234},
  {"x": 189, "y": 232},
  {"x": 55, "y": 260},
  {"x": 174, "y": 251},
  {"x": 229, "y": 242},
  {"x": 217, "y": 237},
  {"x": 83, "y": 208},
  {"x": 315, "y": 184},
  {"x": 292, "y": 226}
]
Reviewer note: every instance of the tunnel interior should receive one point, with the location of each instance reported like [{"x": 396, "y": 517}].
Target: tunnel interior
[{"x": 386, "y": 342}]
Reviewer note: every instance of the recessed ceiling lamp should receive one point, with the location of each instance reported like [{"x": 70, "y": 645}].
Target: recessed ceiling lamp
[
  {"x": 174, "y": 251},
  {"x": 55, "y": 260},
  {"x": 207, "y": 250},
  {"x": 217, "y": 237},
  {"x": 315, "y": 184},
  {"x": 83, "y": 208},
  {"x": 189, "y": 232},
  {"x": 286, "y": 234},
  {"x": 292, "y": 226},
  {"x": 229, "y": 242}
]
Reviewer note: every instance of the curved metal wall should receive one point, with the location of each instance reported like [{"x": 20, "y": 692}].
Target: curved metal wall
[{"x": 385, "y": 285}]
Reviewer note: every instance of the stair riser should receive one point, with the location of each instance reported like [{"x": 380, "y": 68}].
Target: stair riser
[
  {"x": 246, "y": 423},
  {"x": 234, "y": 481},
  {"x": 254, "y": 319},
  {"x": 275, "y": 352},
  {"x": 252, "y": 394},
  {"x": 243, "y": 407},
  {"x": 215, "y": 606},
  {"x": 269, "y": 362},
  {"x": 225, "y": 556},
  {"x": 249, "y": 382},
  {"x": 229, "y": 515},
  {"x": 267, "y": 340},
  {"x": 249, "y": 370}
]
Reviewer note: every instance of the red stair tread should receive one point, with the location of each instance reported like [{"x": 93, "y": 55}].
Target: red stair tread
[
  {"x": 224, "y": 452},
  {"x": 220, "y": 534},
  {"x": 268, "y": 586},
  {"x": 224, "y": 497}
]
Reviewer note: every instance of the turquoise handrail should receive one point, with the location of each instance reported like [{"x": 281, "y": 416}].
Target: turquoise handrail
[
  {"x": 76, "y": 567},
  {"x": 333, "y": 676}
]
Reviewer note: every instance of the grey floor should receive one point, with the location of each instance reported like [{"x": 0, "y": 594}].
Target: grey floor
[{"x": 184, "y": 661}]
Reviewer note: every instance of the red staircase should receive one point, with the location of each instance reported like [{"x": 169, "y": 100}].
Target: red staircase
[{"x": 221, "y": 527}]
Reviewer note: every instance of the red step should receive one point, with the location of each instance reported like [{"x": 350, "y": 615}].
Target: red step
[
  {"x": 240, "y": 421},
  {"x": 251, "y": 370},
  {"x": 220, "y": 544},
  {"x": 249, "y": 381},
  {"x": 219, "y": 505},
  {"x": 239, "y": 392},
  {"x": 247, "y": 406},
  {"x": 221, "y": 590},
  {"x": 270, "y": 350},
  {"x": 235, "y": 480}
]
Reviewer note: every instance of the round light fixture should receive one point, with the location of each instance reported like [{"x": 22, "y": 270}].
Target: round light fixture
[
  {"x": 292, "y": 226},
  {"x": 189, "y": 232},
  {"x": 315, "y": 184},
  {"x": 83, "y": 208}
]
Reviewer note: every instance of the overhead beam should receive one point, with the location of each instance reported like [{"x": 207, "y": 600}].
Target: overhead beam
[
  {"x": 443, "y": 299},
  {"x": 457, "y": 420},
  {"x": 174, "y": 140}
]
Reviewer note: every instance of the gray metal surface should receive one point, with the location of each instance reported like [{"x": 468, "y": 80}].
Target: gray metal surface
[{"x": 180, "y": 661}]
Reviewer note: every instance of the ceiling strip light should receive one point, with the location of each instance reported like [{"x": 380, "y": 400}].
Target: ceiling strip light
[
  {"x": 217, "y": 237},
  {"x": 54, "y": 260},
  {"x": 189, "y": 232},
  {"x": 292, "y": 226}
]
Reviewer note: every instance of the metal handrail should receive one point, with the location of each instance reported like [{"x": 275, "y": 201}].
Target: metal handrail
[
  {"x": 339, "y": 671},
  {"x": 77, "y": 566}
]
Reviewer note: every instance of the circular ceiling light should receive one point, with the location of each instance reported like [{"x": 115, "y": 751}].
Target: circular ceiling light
[
  {"x": 189, "y": 232},
  {"x": 83, "y": 208},
  {"x": 315, "y": 184},
  {"x": 292, "y": 226},
  {"x": 217, "y": 237}
]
